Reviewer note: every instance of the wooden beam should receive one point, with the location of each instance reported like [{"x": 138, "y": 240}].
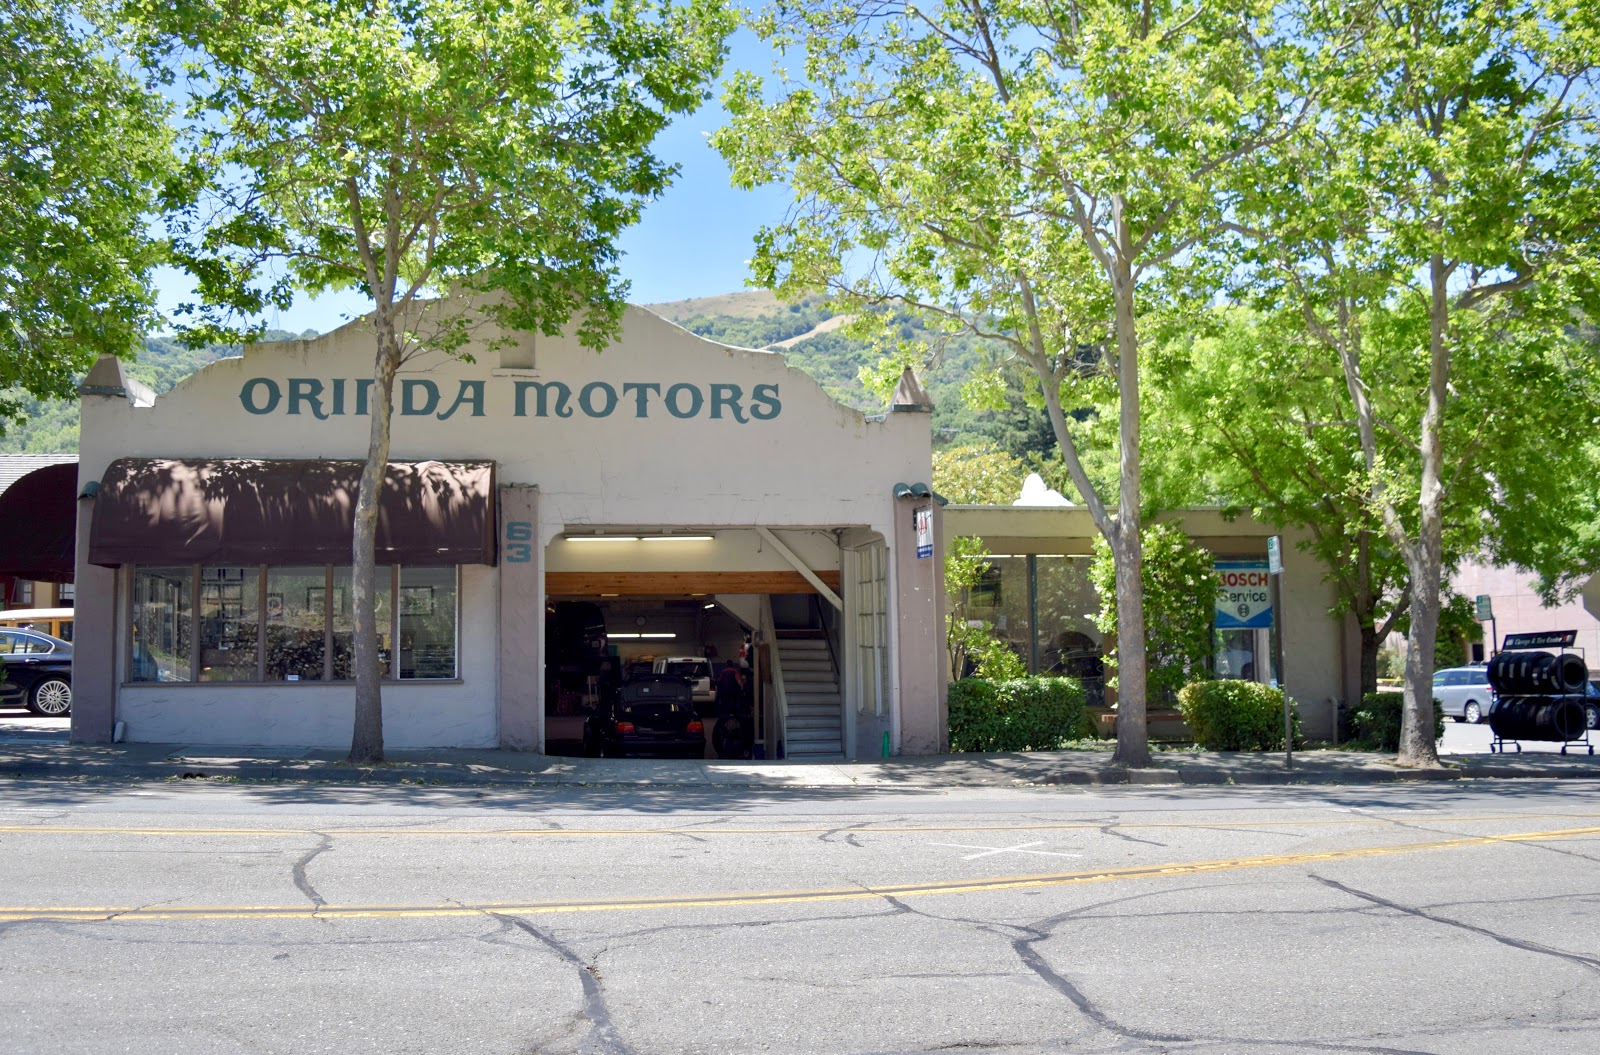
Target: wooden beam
[
  {"x": 829, "y": 595},
  {"x": 679, "y": 583}
]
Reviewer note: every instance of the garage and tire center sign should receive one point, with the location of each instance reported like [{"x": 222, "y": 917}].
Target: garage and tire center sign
[{"x": 1245, "y": 600}]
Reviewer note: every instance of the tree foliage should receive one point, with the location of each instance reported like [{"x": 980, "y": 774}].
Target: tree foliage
[
  {"x": 488, "y": 149},
  {"x": 1180, "y": 595},
  {"x": 1432, "y": 231},
  {"x": 1038, "y": 174},
  {"x": 85, "y": 151}
]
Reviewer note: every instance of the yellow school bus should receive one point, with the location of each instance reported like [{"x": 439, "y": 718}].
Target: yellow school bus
[{"x": 57, "y": 622}]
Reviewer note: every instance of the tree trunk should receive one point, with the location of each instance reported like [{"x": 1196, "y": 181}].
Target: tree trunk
[
  {"x": 366, "y": 740},
  {"x": 1133, "y": 732},
  {"x": 1424, "y": 560},
  {"x": 1369, "y": 655}
]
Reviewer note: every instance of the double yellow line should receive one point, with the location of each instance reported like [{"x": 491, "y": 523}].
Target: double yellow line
[{"x": 108, "y": 913}]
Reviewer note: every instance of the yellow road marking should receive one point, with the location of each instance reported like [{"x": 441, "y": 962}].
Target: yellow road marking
[
  {"x": 468, "y": 833},
  {"x": 796, "y": 897}
]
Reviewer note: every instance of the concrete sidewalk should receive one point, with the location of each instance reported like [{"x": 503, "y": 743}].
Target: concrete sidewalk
[{"x": 34, "y": 758}]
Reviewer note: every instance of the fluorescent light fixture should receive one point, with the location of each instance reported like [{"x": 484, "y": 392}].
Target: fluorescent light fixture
[
  {"x": 708, "y": 606},
  {"x": 677, "y": 538},
  {"x": 660, "y": 637},
  {"x": 635, "y": 637},
  {"x": 602, "y": 538}
]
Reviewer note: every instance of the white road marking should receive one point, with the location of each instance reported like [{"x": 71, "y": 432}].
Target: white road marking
[{"x": 989, "y": 851}]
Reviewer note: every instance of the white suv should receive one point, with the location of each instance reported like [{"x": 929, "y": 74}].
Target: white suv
[
  {"x": 1463, "y": 693},
  {"x": 693, "y": 669}
]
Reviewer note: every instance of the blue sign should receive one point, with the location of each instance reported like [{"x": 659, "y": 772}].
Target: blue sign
[{"x": 1244, "y": 601}]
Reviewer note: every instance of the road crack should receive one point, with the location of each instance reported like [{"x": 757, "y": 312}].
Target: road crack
[
  {"x": 603, "y": 1037},
  {"x": 1587, "y": 962},
  {"x": 299, "y": 871}
]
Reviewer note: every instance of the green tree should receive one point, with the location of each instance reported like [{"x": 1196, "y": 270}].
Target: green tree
[
  {"x": 1432, "y": 229},
  {"x": 978, "y": 474},
  {"x": 1035, "y": 173},
  {"x": 1180, "y": 596},
  {"x": 489, "y": 149},
  {"x": 84, "y": 152}
]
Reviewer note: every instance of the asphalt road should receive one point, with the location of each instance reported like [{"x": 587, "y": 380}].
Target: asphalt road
[{"x": 210, "y": 918}]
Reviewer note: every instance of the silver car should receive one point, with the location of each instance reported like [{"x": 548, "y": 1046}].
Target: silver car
[{"x": 1464, "y": 693}]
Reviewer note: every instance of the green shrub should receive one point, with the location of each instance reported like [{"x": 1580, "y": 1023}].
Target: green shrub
[
  {"x": 1235, "y": 715},
  {"x": 1376, "y": 723},
  {"x": 1021, "y": 714}
]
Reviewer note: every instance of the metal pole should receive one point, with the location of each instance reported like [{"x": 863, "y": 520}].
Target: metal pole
[{"x": 1277, "y": 668}]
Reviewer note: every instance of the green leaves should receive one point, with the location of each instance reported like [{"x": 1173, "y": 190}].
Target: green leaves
[
  {"x": 83, "y": 151},
  {"x": 416, "y": 146}
]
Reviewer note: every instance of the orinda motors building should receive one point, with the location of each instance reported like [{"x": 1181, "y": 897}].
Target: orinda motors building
[{"x": 700, "y": 500}]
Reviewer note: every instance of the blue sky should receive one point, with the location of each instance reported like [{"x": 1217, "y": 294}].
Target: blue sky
[{"x": 693, "y": 242}]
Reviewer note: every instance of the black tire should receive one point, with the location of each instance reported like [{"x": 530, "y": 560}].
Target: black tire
[
  {"x": 51, "y": 698},
  {"x": 1472, "y": 712}
]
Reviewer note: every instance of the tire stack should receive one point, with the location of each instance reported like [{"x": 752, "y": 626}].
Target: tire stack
[{"x": 1540, "y": 696}]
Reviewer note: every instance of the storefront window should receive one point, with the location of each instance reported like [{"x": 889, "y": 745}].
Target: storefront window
[
  {"x": 1000, "y": 599},
  {"x": 163, "y": 622},
  {"x": 296, "y": 614},
  {"x": 230, "y": 622},
  {"x": 427, "y": 612},
  {"x": 1066, "y": 603},
  {"x": 299, "y": 613}
]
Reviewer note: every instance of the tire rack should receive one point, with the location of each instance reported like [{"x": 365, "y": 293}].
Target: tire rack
[{"x": 1498, "y": 744}]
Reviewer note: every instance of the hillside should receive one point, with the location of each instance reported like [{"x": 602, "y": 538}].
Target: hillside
[{"x": 51, "y": 427}]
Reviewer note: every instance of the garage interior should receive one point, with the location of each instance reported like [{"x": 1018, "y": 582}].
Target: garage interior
[{"x": 619, "y": 600}]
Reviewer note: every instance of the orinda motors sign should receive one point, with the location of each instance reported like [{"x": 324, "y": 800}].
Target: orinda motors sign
[{"x": 1245, "y": 600}]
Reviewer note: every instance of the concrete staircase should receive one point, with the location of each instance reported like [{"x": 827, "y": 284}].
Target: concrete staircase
[{"x": 814, "y": 729}]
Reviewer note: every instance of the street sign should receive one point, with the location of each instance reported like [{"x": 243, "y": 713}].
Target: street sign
[
  {"x": 1275, "y": 555},
  {"x": 1485, "y": 607}
]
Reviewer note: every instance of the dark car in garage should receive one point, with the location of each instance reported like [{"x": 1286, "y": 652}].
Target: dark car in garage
[
  {"x": 651, "y": 716},
  {"x": 37, "y": 672}
]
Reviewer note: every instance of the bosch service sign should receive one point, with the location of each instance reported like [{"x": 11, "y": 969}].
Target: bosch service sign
[{"x": 1245, "y": 600}]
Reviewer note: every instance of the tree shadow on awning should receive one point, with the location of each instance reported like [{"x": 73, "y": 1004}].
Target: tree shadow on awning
[{"x": 246, "y": 511}]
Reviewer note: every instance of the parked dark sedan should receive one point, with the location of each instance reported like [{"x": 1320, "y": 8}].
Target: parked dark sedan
[
  {"x": 38, "y": 672},
  {"x": 649, "y": 717}
]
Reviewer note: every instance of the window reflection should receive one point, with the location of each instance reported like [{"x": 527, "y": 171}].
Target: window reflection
[
  {"x": 427, "y": 613},
  {"x": 296, "y": 614},
  {"x": 229, "y": 623},
  {"x": 163, "y": 622}
]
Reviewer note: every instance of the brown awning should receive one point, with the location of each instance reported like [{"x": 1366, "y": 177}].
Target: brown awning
[
  {"x": 163, "y": 511},
  {"x": 39, "y": 524}
]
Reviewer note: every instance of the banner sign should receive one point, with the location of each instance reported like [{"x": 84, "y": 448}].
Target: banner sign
[
  {"x": 1546, "y": 639},
  {"x": 924, "y": 524},
  {"x": 1245, "y": 600}
]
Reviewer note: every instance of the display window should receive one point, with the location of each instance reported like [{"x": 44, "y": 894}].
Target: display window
[{"x": 255, "y": 623}]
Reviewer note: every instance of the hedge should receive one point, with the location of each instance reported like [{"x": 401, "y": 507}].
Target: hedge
[
  {"x": 1235, "y": 715},
  {"x": 1376, "y": 723},
  {"x": 1022, "y": 714}
]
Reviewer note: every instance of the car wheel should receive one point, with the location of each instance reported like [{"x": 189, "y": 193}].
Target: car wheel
[
  {"x": 52, "y": 698},
  {"x": 1472, "y": 712},
  {"x": 1591, "y": 715}
]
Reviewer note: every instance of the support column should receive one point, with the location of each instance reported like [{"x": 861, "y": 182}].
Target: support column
[
  {"x": 94, "y": 640},
  {"x": 521, "y": 693},
  {"x": 919, "y": 622}
]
